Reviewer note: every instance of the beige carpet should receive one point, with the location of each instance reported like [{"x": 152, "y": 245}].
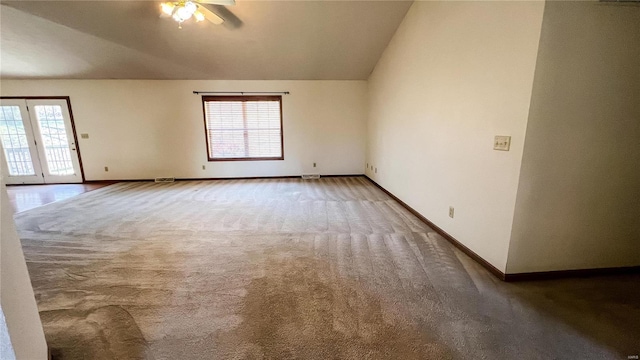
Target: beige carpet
[{"x": 293, "y": 269}]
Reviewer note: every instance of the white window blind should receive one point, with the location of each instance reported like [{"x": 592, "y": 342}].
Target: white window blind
[{"x": 243, "y": 128}]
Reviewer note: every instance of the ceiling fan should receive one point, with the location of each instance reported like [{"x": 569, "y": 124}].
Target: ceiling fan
[{"x": 184, "y": 10}]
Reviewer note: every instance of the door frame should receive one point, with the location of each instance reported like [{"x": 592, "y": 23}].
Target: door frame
[{"x": 73, "y": 124}]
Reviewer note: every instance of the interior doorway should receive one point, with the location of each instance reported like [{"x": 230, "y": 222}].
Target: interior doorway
[{"x": 38, "y": 141}]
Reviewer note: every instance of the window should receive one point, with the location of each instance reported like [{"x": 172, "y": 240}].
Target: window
[{"x": 243, "y": 127}]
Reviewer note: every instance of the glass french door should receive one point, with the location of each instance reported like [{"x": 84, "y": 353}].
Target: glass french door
[{"x": 38, "y": 145}]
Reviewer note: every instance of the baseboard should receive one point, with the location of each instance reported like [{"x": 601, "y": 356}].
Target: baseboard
[
  {"x": 241, "y": 178},
  {"x": 226, "y": 178},
  {"x": 196, "y": 179},
  {"x": 492, "y": 269},
  {"x": 84, "y": 182},
  {"x": 576, "y": 273},
  {"x": 100, "y": 182},
  {"x": 350, "y": 175},
  {"x": 115, "y": 181}
]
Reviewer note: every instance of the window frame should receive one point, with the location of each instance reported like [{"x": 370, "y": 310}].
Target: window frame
[{"x": 245, "y": 98}]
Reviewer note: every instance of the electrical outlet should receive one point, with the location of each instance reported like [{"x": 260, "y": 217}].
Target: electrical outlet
[
  {"x": 451, "y": 211},
  {"x": 203, "y": 167},
  {"x": 106, "y": 168},
  {"x": 84, "y": 136},
  {"x": 502, "y": 143},
  {"x": 314, "y": 164},
  {"x": 376, "y": 170}
]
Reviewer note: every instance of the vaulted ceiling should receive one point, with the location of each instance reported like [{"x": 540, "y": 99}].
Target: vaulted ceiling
[{"x": 271, "y": 40}]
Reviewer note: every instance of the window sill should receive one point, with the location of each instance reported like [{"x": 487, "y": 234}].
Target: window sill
[{"x": 247, "y": 159}]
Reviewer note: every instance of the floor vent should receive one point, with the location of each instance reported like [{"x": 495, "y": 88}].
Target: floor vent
[
  {"x": 165, "y": 180},
  {"x": 311, "y": 176}
]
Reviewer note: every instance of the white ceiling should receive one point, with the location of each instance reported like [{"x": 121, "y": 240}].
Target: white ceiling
[{"x": 271, "y": 40}]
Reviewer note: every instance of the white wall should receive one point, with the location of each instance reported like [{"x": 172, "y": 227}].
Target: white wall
[
  {"x": 578, "y": 202},
  {"x": 143, "y": 129},
  {"x": 16, "y": 294},
  {"x": 454, "y": 75}
]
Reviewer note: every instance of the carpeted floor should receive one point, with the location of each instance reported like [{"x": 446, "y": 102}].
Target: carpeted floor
[{"x": 293, "y": 269}]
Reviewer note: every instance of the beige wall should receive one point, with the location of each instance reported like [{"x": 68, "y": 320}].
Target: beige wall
[
  {"x": 16, "y": 294},
  {"x": 454, "y": 75},
  {"x": 143, "y": 129},
  {"x": 578, "y": 203}
]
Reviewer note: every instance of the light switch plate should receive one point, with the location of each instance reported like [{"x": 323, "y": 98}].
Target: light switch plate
[
  {"x": 84, "y": 136},
  {"x": 502, "y": 143}
]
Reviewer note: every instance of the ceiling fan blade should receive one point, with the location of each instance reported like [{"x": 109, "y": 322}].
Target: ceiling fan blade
[
  {"x": 218, "y": 2},
  {"x": 210, "y": 15}
]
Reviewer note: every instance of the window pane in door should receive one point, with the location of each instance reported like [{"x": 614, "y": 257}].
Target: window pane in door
[
  {"x": 54, "y": 139},
  {"x": 14, "y": 141}
]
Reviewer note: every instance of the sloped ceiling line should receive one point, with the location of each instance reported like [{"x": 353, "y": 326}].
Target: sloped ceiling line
[{"x": 262, "y": 40}]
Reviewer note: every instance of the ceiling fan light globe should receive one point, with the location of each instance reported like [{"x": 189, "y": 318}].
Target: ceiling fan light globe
[
  {"x": 184, "y": 13},
  {"x": 199, "y": 16},
  {"x": 167, "y": 8},
  {"x": 190, "y": 6}
]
